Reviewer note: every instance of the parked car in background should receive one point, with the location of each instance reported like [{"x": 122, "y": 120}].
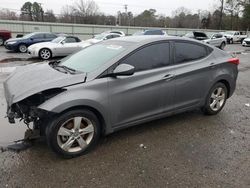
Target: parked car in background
[
  {"x": 61, "y": 46},
  {"x": 246, "y": 42},
  {"x": 102, "y": 36},
  {"x": 116, "y": 32},
  {"x": 116, "y": 84},
  {"x": 150, "y": 32},
  {"x": 4, "y": 35},
  {"x": 22, "y": 44},
  {"x": 235, "y": 36},
  {"x": 216, "y": 39},
  {"x": 197, "y": 35}
]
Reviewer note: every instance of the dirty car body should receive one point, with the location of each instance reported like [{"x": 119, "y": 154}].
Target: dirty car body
[{"x": 115, "y": 89}]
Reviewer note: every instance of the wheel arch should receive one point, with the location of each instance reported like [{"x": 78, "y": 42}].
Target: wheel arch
[{"x": 92, "y": 109}]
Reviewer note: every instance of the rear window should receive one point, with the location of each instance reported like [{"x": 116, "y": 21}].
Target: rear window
[{"x": 186, "y": 52}]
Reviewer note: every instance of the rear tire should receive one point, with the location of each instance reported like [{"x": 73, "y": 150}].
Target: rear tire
[
  {"x": 73, "y": 133},
  {"x": 216, "y": 99}
]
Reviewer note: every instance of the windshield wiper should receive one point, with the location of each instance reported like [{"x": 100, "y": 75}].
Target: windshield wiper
[
  {"x": 55, "y": 65},
  {"x": 68, "y": 69}
]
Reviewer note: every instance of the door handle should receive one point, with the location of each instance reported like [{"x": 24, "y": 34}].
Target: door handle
[
  {"x": 168, "y": 77},
  {"x": 212, "y": 65}
]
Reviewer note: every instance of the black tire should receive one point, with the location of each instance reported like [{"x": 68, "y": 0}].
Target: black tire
[
  {"x": 1, "y": 41},
  {"x": 53, "y": 138},
  {"x": 45, "y": 54},
  {"x": 222, "y": 46},
  {"x": 207, "y": 109},
  {"x": 231, "y": 41},
  {"x": 22, "y": 48}
]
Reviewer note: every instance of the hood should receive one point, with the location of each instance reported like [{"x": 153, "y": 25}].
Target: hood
[
  {"x": 247, "y": 39},
  {"x": 93, "y": 41},
  {"x": 228, "y": 35},
  {"x": 14, "y": 39},
  {"x": 42, "y": 45},
  {"x": 31, "y": 79}
]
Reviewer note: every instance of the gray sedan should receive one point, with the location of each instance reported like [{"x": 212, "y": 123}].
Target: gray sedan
[{"x": 116, "y": 84}]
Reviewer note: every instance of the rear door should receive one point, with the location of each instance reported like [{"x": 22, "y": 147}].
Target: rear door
[
  {"x": 194, "y": 66},
  {"x": 134, "y": 98}
]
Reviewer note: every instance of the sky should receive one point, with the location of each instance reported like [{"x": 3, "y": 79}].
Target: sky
[{"x": 165, "y": 7}]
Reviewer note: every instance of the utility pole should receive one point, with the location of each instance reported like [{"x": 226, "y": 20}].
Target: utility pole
[
  {"x": 126, "y": 12},
  {"x": 126, "y": 8}
]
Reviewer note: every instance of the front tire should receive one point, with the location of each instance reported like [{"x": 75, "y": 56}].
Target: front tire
[
  {"x": 73, "y": 133},
  {"x": 45, "y": 54},
  {"x": 22, "y": 48},
  {"x": 1, "y": 41},
  {"x": 216, "y": 99},
  {"x": 222, "y": 46}
]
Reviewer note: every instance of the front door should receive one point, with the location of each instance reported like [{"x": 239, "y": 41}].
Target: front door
[{"x": 134, "y": 98}]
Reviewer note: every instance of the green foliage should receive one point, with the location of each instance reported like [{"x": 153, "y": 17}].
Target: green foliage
[{"x": 32, "y": 11}]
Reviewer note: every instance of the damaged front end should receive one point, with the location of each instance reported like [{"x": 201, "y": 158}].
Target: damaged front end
[{"x": 27, "y": 109}]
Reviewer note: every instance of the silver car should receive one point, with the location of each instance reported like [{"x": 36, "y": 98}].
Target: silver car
[
  {"x": 116, "y": 84},
  {"x": 61, "y": 46},
  {"x": 217, "y": 39}
]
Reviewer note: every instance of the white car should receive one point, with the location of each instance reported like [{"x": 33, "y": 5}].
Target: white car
[
  {"x": 116, "y": 32},
  {"x": 103, "y": 36},
  {"x": 61, "y": 46},
  {"x": 235, "y": 36},
  {"x": 246, "y": 42},
  {"x": 217, "y": 40}
]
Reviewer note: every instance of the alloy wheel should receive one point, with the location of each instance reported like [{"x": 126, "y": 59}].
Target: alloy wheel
[
  {"x": 22, "y": 48},
  {"x": 217, "y": 99},
  {"x": 45, "y": 54},
  {"x": 75, "y": 134}
]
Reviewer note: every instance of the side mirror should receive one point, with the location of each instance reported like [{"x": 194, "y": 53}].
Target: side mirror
[
  {"x": 31, "y": 39},
  {"x": 124, "y": 70},
  {"x": 213, "y": 37},
  {"x": 63, "y": 42}
]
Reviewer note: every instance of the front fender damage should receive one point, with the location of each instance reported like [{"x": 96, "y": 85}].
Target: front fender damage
[{"x": 28, "y": 109}]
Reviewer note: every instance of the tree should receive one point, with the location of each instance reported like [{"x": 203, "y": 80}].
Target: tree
[
  {"x": 6, "y": 14},
  {"x": 49, "y": 16},
  {"x": 26, "y": 10},
  {"x": 246, "y": 16},
  {"x": 32, "y": 12}
]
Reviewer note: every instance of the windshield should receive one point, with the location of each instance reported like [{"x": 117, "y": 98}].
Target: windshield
[
  {"x": 87, "y": 59},
  {"x": 138, "y": 33},
  {"x": 58, "y": 39},
  {"x": 229, "y": 32},
  {"x": 28, "y": 35},
  {"x": 99, "y": 37}
]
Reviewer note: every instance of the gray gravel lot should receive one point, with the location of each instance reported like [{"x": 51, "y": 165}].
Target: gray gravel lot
[{"x": 186, "y": 150}]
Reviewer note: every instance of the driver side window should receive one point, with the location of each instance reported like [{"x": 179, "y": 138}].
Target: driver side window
[{"x": 150, "y": 57}]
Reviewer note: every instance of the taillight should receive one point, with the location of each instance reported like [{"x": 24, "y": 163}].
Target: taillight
[{"x": 235, "y": 61}]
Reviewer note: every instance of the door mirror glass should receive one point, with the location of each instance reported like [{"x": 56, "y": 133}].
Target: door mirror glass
[{"x": 124, "y": 70}]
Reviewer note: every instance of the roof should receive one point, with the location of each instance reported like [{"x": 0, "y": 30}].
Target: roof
[{"x": 147, "y": 38}]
